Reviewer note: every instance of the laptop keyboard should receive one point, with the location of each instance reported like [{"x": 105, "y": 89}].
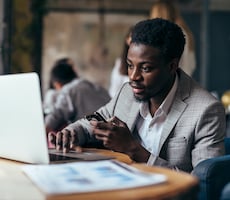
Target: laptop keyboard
[{"x": 55, "y": 157}]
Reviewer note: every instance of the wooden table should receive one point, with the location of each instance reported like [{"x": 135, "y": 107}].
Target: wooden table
[{"x": 14, "y": 185}]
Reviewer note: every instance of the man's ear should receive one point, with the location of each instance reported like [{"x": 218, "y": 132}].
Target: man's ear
[{"x": 174, "y": 65}]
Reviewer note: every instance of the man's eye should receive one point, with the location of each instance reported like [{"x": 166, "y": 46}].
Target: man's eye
[
  {"x": 129, "y": 66},
  {"x": 146, "y": 69}
]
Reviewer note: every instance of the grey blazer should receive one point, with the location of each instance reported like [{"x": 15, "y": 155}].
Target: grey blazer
[{"x": 194, "y": 129}]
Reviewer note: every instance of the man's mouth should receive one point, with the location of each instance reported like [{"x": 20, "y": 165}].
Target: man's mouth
[{"x": 137, "y": 89}]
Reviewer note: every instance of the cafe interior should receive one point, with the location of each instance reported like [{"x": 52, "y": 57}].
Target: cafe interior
[{"x": 35, "y": 33}]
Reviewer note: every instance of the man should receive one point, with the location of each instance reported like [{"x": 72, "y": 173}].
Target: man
[
  {"x": 162, "y": 117},
  {"x": 76, "y": 97},
  {"x": 62, "y": 73}
]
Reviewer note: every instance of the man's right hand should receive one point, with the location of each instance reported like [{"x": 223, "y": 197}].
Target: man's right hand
[{"x": 65, "y": 140}]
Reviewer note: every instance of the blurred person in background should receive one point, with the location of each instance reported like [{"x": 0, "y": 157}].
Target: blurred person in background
[
  {"x": 167, "y": 9},
  {"x": 54, "y": 87},
  {"x": 76, "y": 96},
  {"x": 119, "y": 74}
]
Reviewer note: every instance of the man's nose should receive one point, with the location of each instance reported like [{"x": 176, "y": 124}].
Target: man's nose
[{"x": 135, "y": 74}]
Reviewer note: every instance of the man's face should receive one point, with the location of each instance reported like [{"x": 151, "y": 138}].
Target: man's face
[{"x": 150, "y": 77}]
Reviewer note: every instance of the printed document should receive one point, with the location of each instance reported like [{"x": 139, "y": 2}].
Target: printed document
[{"x": 80, "y": 177}]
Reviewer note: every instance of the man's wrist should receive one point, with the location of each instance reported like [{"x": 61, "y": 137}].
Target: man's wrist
[{"x": 138, "y": 153}]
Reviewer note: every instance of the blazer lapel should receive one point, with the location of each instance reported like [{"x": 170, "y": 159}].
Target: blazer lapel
[
  {"x": 177, "y": 109},
  {"x": 178, "y": 106},
  {"x": 134, "y": 111}
]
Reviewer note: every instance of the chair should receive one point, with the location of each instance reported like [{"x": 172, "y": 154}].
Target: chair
[
  {"x": 226, "y": 193},
  {"x": 213, "y": 174}
]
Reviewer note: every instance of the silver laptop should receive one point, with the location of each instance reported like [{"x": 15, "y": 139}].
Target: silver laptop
[{"x": 22, "y": 129}]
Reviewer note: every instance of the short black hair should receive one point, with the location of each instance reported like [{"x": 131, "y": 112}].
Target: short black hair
[
  {"x": 161, "y": 34},
  {"x": 63, "y": 73}
]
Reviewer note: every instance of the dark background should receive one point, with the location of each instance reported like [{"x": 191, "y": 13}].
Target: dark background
[{"x": 218, "y": 69}]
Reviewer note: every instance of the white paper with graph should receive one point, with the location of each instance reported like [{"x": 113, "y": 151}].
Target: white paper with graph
[{"x": 80, "y": 177}]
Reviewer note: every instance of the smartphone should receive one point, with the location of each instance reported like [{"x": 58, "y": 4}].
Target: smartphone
[{"x": 95, "y": 116}]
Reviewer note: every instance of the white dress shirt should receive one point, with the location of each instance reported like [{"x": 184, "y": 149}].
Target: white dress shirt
[{"x": 150, "y": 128}]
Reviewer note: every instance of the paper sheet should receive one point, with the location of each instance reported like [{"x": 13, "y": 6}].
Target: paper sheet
[{"x": 92, "y": 176}]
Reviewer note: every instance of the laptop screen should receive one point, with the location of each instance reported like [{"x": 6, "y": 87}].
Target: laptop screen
[{"x": 22, "y": 135}]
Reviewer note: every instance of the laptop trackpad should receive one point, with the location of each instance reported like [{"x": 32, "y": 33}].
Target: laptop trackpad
[{"x": 75, "y": 156}]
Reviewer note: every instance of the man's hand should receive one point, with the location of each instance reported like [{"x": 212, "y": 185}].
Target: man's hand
[
  {"x": 65, "y": 140},
  {"x": 114, "y": 134}
]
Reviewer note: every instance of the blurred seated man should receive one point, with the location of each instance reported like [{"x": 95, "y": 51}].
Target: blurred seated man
[
  {"x": 51, "y": 94},
  {"x": 76, "y": 97},
  {"x": 162, "y": 116}
]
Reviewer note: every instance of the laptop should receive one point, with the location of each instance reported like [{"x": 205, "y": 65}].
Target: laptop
[{"x": 22, "y": 131}]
